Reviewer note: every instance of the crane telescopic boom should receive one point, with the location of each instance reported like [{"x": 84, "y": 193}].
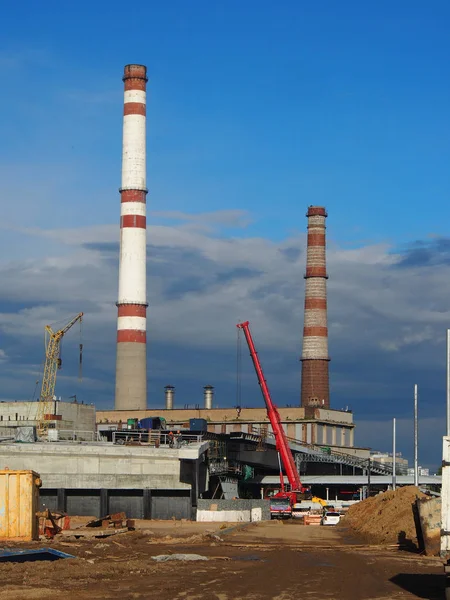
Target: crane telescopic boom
[{"x": 282, "y": 444}]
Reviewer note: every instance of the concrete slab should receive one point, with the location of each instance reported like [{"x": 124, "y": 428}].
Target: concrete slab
[{"x": 101, "y": 465}]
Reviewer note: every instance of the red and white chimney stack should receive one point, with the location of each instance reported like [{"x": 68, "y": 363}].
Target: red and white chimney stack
[
  {"x": 315, "y": 379},
  {"x": 131, "y": 365}
]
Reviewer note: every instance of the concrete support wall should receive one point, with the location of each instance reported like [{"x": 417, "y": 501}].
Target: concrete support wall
[
  {"x": 233, "y": 511},
  {"x": 136, "y": 504}
]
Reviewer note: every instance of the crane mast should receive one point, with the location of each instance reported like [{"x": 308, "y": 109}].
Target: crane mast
[
  {"x": 52, "y": 364},
  {"x": 282, "y": 444}
]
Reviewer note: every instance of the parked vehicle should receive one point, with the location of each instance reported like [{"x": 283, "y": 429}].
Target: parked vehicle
[
  {"x": 280, "y": 508},
  {"x": 331, "y": 518}
]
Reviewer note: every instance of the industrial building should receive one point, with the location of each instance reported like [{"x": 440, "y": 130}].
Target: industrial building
[
  {"x": 66, "y": 420},
  {"x": 93, "y": 463},
  {"x": 385, "y": 458},
  {"x": 326, "y": 427}
]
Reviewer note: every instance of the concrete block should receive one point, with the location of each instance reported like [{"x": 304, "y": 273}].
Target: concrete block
[
  {"x": 256, "y": 514},
  {"x": 228, "y": 516},
  {"x": 259, "y": 510}
]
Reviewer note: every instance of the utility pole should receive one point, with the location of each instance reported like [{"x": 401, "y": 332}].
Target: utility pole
[
  {"x": 448, "y": 381},
  {"x": 368, "y": 478},
  {"x": 416, "y": 436},
  {"x": 393, "y": 455}
]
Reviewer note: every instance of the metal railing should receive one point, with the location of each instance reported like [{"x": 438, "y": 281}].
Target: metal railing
[
  {"x": 154, "y": 438},
  {"x": 335, "y": 456},
  {"x": 72, "y": 435}
]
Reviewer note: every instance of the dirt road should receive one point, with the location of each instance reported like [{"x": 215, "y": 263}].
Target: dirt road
[{"x": 268, "y": 561}]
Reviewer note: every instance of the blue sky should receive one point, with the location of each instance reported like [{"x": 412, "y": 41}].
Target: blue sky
[{"x": 255, "y": 111}]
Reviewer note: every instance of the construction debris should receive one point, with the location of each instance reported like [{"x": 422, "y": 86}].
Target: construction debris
[
  {"x": 51, "y": 523},
  {"x": 312, "y": 519},
  {"x": 184, "y": 557},
  {"x": 96, "y": 533},
  {"x": 116, "y": 520}
]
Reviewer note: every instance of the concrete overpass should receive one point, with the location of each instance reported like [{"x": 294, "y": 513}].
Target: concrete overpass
[
  {"x": 356, "y": 480},
  {"x": 355, "y": 458},
  {"x": 94, "y": 479}
]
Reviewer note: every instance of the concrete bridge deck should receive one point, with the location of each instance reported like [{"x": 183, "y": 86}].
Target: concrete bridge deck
[{"x": 100, "y": 465}]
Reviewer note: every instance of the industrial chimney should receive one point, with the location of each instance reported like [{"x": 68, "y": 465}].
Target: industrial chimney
[
  {"x": 131, "y": 364},
  {"x": 208, "y": 395},
  {"x": 169, "y": 392},
  {"x": 315, "y": 381}
]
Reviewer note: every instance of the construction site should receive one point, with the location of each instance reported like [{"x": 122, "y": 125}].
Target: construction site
[{"x": 118, "y": 493}]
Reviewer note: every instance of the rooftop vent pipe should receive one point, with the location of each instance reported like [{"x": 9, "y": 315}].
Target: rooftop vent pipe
[
  {"x": 169, "y": 391},
  {"x": 208, "y": 395}
]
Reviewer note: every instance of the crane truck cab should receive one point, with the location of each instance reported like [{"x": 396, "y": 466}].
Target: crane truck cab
[{"x": 280, "y": 507}]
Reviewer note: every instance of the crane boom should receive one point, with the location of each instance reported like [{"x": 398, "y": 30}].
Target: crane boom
[
  {"x": 282, "y": 444},
  {"x": 52, "y": 363}
]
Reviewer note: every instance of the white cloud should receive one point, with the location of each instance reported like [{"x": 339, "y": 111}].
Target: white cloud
[
  {"x": 370, "y": 301},
  {"x": 387, "y": 319}
]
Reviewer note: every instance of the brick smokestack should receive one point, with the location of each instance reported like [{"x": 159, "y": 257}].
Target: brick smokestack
[
  {"x": 315, "y": 380},
  {"x": 131, "y": 364}
]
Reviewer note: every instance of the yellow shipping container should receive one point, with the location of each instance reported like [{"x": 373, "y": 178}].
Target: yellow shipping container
[{"x": 19, "y": 503}]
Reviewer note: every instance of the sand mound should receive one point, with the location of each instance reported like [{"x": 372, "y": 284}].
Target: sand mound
[{"x": 386, "y": 518}]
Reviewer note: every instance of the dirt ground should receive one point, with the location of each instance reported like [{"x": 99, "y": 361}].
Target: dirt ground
[
  {"x": 387, "y": 517},
  {"x": 269, "y": 560}
]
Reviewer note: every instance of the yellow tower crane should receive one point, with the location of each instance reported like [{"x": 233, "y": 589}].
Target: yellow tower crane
[{"x": 52, "y": 364}]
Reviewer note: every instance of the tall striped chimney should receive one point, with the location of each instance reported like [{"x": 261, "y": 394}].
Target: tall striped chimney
[
  {"x": 131, "y": 364},
  {"x": 315, "y": 381}
]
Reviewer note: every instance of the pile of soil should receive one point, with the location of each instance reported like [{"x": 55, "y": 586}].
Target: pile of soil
[{"x": 388, "y": 517}]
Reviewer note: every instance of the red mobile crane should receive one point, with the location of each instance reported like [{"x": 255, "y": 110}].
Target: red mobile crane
[{"x": 297, "y": 491}]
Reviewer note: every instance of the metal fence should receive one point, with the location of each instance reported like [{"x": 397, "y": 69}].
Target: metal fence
[
  {"x": 155, "y": 438},
  {"x": 71, "y": 435}
]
